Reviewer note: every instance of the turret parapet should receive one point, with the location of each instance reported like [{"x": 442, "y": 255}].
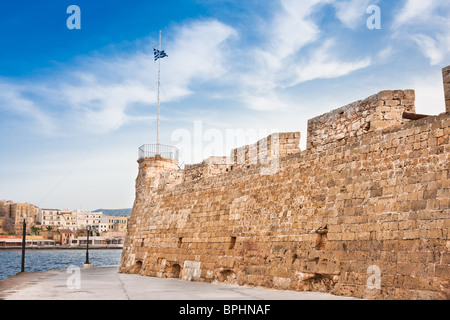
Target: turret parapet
[{"x": 156, "y": 161}]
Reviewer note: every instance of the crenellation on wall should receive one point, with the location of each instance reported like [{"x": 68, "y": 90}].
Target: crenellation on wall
[
  {"x": 264, "y": 151},
  {"x": 274, "y": 146},
  {"x": 377, "y": 112},
  {"x": 323, "y": 220},
  {"x": 209, "y": 167}
]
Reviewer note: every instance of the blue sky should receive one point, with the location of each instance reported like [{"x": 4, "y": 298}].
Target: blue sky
[{"x": 75, "y": 105}]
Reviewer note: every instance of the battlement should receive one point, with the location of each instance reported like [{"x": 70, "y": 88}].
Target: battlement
[
  {"x": 380, "y": 111},
  {"x": 209, "y": 167},
  {"x": 276, "y": 145},
  {"x": 385, "y": 110}
]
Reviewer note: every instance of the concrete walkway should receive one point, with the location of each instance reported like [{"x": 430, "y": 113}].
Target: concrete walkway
[{"x": 104, "y": 283}]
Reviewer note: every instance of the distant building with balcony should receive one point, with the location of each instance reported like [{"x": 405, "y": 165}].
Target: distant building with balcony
[
  {"x": 92, "y": 219},
  {"x": 50, "y": 217},
  {"x": 69, "y": 220}
]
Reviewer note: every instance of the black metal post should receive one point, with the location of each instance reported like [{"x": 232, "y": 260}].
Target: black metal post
[
  {"x": 24, "y": 227},
  {"x": 87, "y": 246}
]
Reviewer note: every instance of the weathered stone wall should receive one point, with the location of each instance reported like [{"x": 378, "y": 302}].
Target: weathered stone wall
[
  {"x": 337, "y": 217},
  {"x": 446, "y": 76},
  {"x": 209, "y": 167},
  {"x": 276, "y": 145},
  {"x": 379, "y": 111}
]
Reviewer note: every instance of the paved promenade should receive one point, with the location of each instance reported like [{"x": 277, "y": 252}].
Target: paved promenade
[{"x": 104, "y": 283}]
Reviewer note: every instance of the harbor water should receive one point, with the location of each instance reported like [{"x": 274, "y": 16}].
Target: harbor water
[{"x": 45, "y": 260}]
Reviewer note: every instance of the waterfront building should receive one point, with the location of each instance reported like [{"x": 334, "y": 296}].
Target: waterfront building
[
  {"x": 5, "y": 208},
  {"x": 103, "y": 225},
  {"x": 50, "y": 217},
  {"x": 118, "y": 224},
  {"x": 69, "y": 220},
  {"x": 92, "y": 219},
  {"x": 93, "y": 240},
  {"x": 66, "y": 236},
  {"x": 114, "y": 227},
  {"x": 24, "y": 212},
  {"x": 16, "y": 241},
  {"x": 97, "y": 241}
]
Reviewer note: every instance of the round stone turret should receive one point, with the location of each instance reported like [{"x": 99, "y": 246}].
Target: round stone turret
[{"x": 154, "y": 160}]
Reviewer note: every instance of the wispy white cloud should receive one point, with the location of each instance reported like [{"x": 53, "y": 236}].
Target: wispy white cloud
[
  {"x": 434, "y": 49},
  {"x": 13, "y": 101},
  {"x": 323, "y": 65},
  {"x": 294, "y": 52},
  {"x": 105, "y": 92},
  {"x": 292, "y": 28},
  {"x": 427, "y": 24},
  {"x": 197, "y": 53},
  {"x": 96, "y": 94},
  {"x": 385, "y": 54},
  {"x": 267, "y": 101},
  {"x": 414, "y": 11},
  {"x": 102, "y": 107}
]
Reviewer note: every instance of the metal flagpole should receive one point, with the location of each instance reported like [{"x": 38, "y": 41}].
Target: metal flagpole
[{"x": 159, "y": 85}]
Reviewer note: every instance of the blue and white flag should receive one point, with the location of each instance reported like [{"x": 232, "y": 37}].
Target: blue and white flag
[{"x": 159, "y": 54}]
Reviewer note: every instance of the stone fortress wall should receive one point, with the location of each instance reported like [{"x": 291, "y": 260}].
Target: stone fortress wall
[
  {"x": 363, "y": 212},
  {"x": 446, "y": 76}
]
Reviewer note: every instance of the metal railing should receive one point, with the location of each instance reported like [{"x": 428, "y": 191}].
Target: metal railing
[{"x": 163, "y": 151}]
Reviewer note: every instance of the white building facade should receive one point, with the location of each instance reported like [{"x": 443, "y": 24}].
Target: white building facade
[
  {"x": 92, "y": 219},
  {"x": 71, "y": 220},
  {"x": 50, "y": 217}
]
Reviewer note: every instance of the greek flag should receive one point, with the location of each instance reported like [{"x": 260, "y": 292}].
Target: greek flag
[{"x": 159, "y": 54}]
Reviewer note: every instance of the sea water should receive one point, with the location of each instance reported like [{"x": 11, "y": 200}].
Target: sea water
[{"x": 43, "y": 260}]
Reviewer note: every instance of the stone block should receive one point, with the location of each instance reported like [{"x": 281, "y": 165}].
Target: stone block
[{"x": 386, "y": 95}]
